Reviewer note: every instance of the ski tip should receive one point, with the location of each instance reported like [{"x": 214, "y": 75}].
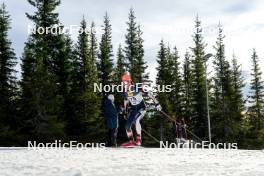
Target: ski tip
[{"x": 128, "y": 147}]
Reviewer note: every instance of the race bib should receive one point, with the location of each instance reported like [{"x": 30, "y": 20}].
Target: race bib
[{"x": 135, "y": 99}]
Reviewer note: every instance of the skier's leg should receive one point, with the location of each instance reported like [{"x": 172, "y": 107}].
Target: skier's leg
[
  {"x": 139, "y": 116},
  {"x": 128, "y": 125}
]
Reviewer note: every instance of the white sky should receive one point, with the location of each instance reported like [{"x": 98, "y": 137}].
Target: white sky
[{"x": 171, "y": 20}]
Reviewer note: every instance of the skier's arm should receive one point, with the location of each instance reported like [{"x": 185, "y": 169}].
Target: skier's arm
[
  {"x": 125, "y": 105},
  {"x": 157, "y": 105},
  {"x": 150, "y": 95}
]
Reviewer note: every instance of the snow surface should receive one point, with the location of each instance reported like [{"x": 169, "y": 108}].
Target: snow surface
[{"x": 129, "y": 162}]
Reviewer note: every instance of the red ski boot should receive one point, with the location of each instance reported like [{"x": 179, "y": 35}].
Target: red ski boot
[
  {"x": 138, "y": 141},
  {"x": 129, "y": 144}
]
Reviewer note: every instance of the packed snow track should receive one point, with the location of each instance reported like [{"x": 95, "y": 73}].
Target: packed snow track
[{"x": 129, "y": 162}]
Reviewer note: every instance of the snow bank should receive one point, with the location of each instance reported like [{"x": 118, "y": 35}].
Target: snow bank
[{"x": 134, "y": 162}]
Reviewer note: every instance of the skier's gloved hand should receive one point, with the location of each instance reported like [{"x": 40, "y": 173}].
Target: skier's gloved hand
[
  {"x": 122, "y": 108},
  {"x": 158, "y": 107},
  {"x": 124, "y": 111}
]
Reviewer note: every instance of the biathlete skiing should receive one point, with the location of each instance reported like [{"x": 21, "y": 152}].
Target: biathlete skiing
[{"x": 135, "y": 108}]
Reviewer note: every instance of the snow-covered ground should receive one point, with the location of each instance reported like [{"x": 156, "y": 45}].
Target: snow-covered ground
[{"x": 126, "y": 162}]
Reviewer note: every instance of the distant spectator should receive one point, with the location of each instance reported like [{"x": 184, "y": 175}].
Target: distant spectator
[
  {"x": 183, "y": 129},
  {"x": 175, "y": 127},
  {"x": 178, "y": 129}
]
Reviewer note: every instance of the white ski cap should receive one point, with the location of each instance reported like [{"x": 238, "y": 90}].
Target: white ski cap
[{"x": 111, "y": 97}]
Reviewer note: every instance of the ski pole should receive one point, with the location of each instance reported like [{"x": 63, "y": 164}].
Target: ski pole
[
  {"x": 166, "y": 115},
  {"x": 147, "y": 133}
]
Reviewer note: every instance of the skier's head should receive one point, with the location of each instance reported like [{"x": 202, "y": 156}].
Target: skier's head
[
  {"x": 111, "y": 97},
  {"x": 126, "y": 79}
]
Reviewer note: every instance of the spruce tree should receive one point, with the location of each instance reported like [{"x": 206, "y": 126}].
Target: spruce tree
[
  {"x": 176, "y": 82},
  {"x": 163, "y": 77},
  {"x": 238, "y": 85},
  {"x": 46, "y": 84},
  {"x": 140, "y": 68},
  {"x": 119, "y": 70},
  {"x": 40, "y": 105},
  {"x": 8, "y": 88},
  {"x": 223, "y": 118},
  {"x": 62, "y": 70},
  {"x": 199, "y": 117},
  {"x": 255, "y": 114},
  {"x": 238, "y": 102},
  {"x": 28, "y": 68},
  {"x": 105, "y": 54},
  {"x": 256, "y": 98},
  {"x": 85, "y": 121},
  {"x": 131, "y": 43},
  {"x": 163, "y": 74},
  {"x": 134, "y": 50},
  {"x": 121, "y": 65},
  {"x": 68, "y": 106},
  {"x": 93, "y": 43},
  {"x": 187, "y": 88}
]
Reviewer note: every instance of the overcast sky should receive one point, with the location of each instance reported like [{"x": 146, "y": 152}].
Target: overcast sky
[{"x": 171, "y": 20}]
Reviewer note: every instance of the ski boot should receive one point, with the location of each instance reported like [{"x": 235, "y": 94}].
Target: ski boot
[
  {"x": 130, "y": 142},
  {"x": 138, "y": 140}
]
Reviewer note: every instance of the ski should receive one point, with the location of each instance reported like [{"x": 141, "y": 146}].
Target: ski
[{"x": 130, "y": 147}]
